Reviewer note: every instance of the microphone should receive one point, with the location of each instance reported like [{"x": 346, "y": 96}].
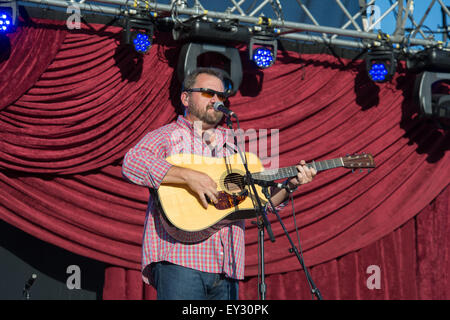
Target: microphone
[
  {"x": 218, "y": 106},
  {"x": 30, "y": 282}
]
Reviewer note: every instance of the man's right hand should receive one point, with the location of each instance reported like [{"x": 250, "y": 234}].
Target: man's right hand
[
  {"x": 199, "y": 182},
  {"x": 203, "y": 186}
]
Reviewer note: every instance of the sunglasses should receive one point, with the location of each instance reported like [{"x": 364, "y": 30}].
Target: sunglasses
[{"x": 209, "y": 93}]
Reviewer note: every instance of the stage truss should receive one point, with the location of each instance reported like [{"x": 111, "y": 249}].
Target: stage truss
[{"x": 358, "y": 32}]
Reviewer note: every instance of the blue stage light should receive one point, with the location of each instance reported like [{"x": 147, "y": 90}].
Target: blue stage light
[
  {"x": 142, "y": 42},
  {"x": 263, "y": 57},
  {"x": 5, "y": 22},
  {"x": 262, "y": 49},
  {"x": 378, "y": 72},
  {"x": 381, "y": 62}
]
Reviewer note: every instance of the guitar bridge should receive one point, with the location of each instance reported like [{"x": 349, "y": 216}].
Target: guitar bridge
[{"x": 227, "y": 201}]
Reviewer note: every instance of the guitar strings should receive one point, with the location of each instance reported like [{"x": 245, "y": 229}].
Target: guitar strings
[
  {"x": 240, "y": 179},
  {"x": 234, "y": 179}
]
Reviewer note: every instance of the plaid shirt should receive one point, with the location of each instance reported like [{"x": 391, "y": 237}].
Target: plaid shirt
[{"x": 145, "y": 165}]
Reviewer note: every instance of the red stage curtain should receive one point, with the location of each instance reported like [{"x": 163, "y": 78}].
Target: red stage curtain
[
  {"x": 413, "y": 262},
  {"x": 64, "y": 136}
]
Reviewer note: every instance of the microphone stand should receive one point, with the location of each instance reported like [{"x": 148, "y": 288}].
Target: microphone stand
[
  {"x": 26, "y": 294},
  {"x": 261, "y": 218},
  {"x": 265, "y": 184},
  {"x": 27, "y": 287}
]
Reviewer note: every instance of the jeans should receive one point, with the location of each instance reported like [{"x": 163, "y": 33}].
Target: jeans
[{"x": 174, "y": 282}]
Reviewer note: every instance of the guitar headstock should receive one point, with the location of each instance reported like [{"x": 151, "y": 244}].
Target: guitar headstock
[{"x": 364, "y": 160}]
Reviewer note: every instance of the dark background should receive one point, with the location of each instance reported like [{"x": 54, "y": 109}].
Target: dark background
[{"x": 21, "y": 255}]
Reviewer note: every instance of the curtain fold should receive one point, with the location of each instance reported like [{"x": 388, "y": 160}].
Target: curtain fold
[
  {"x": 25, "y": 55},
  {"x": 66, "y": 127}
]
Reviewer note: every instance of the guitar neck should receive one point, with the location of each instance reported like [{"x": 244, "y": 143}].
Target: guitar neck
[{"x": 288, "y": 172}]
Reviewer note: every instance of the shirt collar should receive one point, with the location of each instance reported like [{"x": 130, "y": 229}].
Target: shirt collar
[{"x": 185, "y": 123}]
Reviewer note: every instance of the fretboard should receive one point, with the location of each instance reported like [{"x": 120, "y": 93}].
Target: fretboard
[{"x": 287, "y": 172}]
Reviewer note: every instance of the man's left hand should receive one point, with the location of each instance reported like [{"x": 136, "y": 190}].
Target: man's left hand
[{"x": 305, "y": 175}]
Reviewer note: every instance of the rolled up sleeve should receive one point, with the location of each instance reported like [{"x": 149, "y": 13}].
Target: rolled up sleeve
[
  {"x": 279, "y": 207},
  {"x": 145, "y": 163}
]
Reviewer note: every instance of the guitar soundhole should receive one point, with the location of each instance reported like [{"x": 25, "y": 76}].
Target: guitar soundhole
[{"x": 234, "y": 183}]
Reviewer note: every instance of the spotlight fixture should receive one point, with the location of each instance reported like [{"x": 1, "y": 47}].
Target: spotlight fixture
[
  {"x": 432, "y": 86},
  {"x": 8, "y": 12},
  {"x": 139, "y": 33},
  {"x": 224, "y": 59},
  {"x": 433, "y": 104},
  {"x": 263, "y": 51},
  {"x": 210, "y": 32},
  {"x": 430, "y": 59},
  {"x": 381, "y": 63}
]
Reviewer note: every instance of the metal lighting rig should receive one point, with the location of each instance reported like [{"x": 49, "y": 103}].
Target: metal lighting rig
[{"x": 357, "y": 32}]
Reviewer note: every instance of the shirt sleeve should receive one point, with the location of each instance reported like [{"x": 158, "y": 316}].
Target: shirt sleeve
[
  {"x": 269, "y": 209},
  {"x": 279, "y": 207},
  {"x": 145, "y": 163}
]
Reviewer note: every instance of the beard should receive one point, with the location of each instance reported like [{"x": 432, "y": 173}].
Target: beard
[{"x": 211, "y": 118}]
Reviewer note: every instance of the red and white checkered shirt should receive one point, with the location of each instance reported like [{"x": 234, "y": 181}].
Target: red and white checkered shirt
[{"x": 145, "y": 164}]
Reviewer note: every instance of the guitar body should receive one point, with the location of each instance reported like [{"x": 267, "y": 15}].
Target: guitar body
[{"x": 184, "y": 217}]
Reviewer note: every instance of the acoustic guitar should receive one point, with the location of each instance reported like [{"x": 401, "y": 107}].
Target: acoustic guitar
[{"x": 183, "y": 215}]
